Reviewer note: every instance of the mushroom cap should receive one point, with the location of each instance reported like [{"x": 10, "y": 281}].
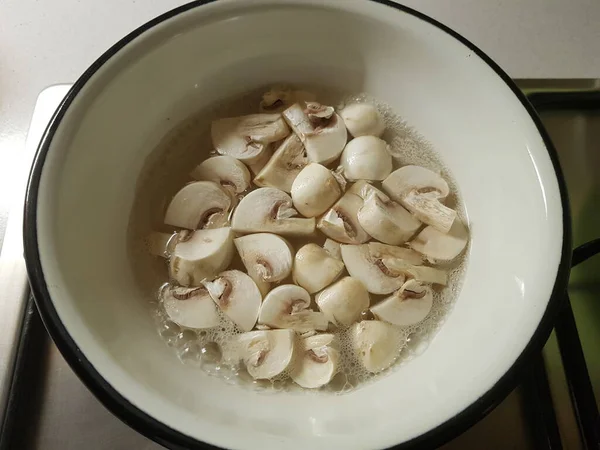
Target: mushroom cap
[
  {"x": 343, "y": 301},
  {"x": 340, "y": 222},
  {"x": 314, "y": 268},
  {"x": 267, "y": 353},
  {"x": 369, "y": 270},
  {"x": 314, "y": 190},
  {"x": 408, "y": 306},
  {"x": 190, "y": 307},
  {"x": 441, "y": 247},
  {"x": 269, "y": 210},
  {"x": 363, "y": 119},
  {"x": 376, "y": 343},
  {"x": 193, "y": 205},
  {"x": 325, "y": 144},
  {"x": 318, "y": 361},
  {"x": 366, "y": 158},
  {"x": 225, "y": 171},
  {"x": 266, "y": 256}
]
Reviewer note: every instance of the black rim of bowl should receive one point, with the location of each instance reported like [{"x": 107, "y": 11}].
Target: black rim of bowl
[{"x": 152, "y": 428}]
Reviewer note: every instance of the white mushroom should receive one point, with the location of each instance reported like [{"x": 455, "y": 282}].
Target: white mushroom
[
  {"x": 366, "y": 158},
  {"x": 340, "y": 222},
  {"x": 333, "y": 248},
  {"x": 363, "y": 119},
  {"x": 343, "y": 301},
  {"x": 262, "y": 160},
  {"x": 195, "y": 204},
  {"x": 200, "y": 255},
  {"x": 363, "y": 188},
  {"x": 382, "y": 251},
  {"x": 267, "y": 353},
  {"x": 408, "y": 306},
  {"x": 424, "y": 274},
  {"x": 314, "y": 268},
  {"x": 190, "y": 307},
  {"x": 161, "y": 244},
  {"x": 320, "y": 129},
  {"x": 229, "y": 172},
  {"x": 421, "y": 191},
  {"x": 237, "y": 296},
  {"x": 269, "y": 210},
  {"x": 314, "y": 190},
  {"x": 318, "y": 361},
  {"x": 288, "y": 306},
  {"x": 279, "y": 98},
  {"x": 441, "y": 247},
  {"x": 246, "y": 138},
  {"x": 386, "y": 220},
  {"x": 371, "y": 271},
  {"x": 267, "y": 258},
  {"x": 376, "y": 344},
  {"x": 283, "y": 167}
]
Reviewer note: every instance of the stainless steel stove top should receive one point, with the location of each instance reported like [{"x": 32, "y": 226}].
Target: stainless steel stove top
[{"x": 51, "y": 409}]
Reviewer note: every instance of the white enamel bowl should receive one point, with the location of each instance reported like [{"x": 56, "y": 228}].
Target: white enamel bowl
[{"x": 82, "y": 186}]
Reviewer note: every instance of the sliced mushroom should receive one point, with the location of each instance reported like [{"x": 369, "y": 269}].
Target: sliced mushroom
[
  {"x": 190, "y": 307},
  {"x": 441, "y": 247},
  {"x": 247, "y": 137},
  {"x": 376, "y": 344},
  {"x": 267, "y": 353},
  {"x": 229, "y": 172},
  {"x": 314, "y": 190},
  {"x": 382, "y": 251},
  {"x": 283, "y": 167},
  {"x": 270, "y": 210},
  {"x": 288, "y": 306},
  {"x": 423, "y": 274},
  {"x": 366, "y": 158},
  {"x": 314, "y": 268},
  {"x": 320, "y": 129},
  {"x": 333, "y": 248},
  {"x": 195, "y": 204},
  {"x": 421, "y": 191},
  {"x": 161, "y": 244},
  {"x": 318, "y": 362},
  {"x": 363, "y": 119},
  {"x": 363, "y": 188},
  {"x": 343, "y": 301},
  {"x": 264, "y": 158},
  {"x": 408, "y": 306},
  {"x": 386, "y": 220},
  {"x": 341, "y": 221},
  {"x": 267, "y": 258},
  {"x": 203, "y": 254},
  {"x": 237, "y": 295},
  {"x": 371, "y": 271},
  {"x": 279, "y": 98}
]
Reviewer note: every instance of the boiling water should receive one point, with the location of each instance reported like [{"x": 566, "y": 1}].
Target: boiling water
[{"x": 167, "y": 170}]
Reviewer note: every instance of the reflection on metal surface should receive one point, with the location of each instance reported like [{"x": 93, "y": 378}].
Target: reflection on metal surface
[{"x": 68, "y": 417}]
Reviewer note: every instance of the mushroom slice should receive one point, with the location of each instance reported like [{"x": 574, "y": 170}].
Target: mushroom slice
[
  {"x": 366, "y": 158},
  {"x": 246, "y": 137},
  {"x": 287, "y": 306},
  {"x": 408, "y": 306},
  {"x": 341, "y": 221},
  {"x": 267, "y": 257},
  {"x": 386, "y": 220},
  {"x": 279, "y": 98},
  {"x": 343, "y": 301},
  {"x": 371, "y": 271},
  {"x": 283, "y": 167},
  {"x": 203, "y": 254},
  {"x": 314, "y": 268},
  {"x": 377, "y": 344},
  {"x": 237, "y": 296},
  {"x": 318, "y": 362},
  {"x": 421, "y": 191},
  {"x": 333, "y": 248},
  {"x": 314, "y": 190},
  {"x": 363, "y": 188},
  {"x": 161, "y": 244},
  {"x": 195, "y": 204},
  {"x": 363, "y": 119},
  {"x": 267, "y": 353},
  {"x": 320, "y": 129},
  {"x": 262, "y": 160},
  {"x": 229, "y": 172},
  {"x": 423, "y": 274},
  {"x": 441, "y": 247},
  {"x": 190, "y": 307},
  {"x": 382, "y": 251},
  {"x": 270, "y": 210}
]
